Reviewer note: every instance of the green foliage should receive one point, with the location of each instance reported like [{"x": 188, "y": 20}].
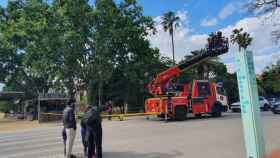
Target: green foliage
[
  {"x": 242, "y": 39},
  {"x": 6, "y": 106},
  {"x": 124, "y": 32},
  {"x": 230, "y": 84},
  {"x": 169, "y": 21},
  {"x": 69, "y": 45},
  {"x": 74, "y": 20},
  {"x": 270, "y": 81},
  {"x": 24, "y": 46}
]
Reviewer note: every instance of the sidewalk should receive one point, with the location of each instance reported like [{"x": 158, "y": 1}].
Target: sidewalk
[{"x": 14, "y": 125}]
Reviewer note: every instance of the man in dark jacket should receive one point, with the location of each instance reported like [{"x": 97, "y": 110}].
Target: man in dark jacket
[
  {"x": 94, "y": 131},
  {"x": 84, "y": 132},
  {"x": 69, "y": 123}
]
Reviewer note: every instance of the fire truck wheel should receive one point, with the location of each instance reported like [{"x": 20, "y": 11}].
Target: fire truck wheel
[
  {"x": 217, "y": 110},
  {"x": 180, "y": 113}
]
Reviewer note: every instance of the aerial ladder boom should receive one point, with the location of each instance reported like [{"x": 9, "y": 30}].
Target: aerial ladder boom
[{"x": 217, "y": 45}]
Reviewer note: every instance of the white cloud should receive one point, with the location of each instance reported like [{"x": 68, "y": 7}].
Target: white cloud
[
  {"x": 182, "y": 14},
  {"x": 227, "y": 11},
  {"x": 265, "y": 51},
  {"x": 209, "y": 22}
]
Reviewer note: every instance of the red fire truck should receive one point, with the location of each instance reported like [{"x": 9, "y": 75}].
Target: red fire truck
[{"x": 174, "y": 101}]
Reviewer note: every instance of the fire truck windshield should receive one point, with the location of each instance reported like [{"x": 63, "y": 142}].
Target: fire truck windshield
[{"x": 203, "y": 89}]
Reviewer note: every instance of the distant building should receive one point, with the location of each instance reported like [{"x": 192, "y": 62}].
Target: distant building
[
  {"x": 47, "y": 107},
  {"x": 50, "y": 106},
  {"x": 11, "y": 95}
]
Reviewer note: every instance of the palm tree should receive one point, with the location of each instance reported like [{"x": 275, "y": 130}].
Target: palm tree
[
  {"x": 169, "y": 22},
  {"x": 242, "y": 39}
]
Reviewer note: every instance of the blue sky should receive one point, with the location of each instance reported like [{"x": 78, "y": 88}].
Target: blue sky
[
  {"x": 197, "y": 10},
  {"x": 200, "y": 17}
]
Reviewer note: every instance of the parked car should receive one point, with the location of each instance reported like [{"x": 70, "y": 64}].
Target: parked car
[
  {"x": 272, "y": 100},
  {"x": 264, "y": 105},
  {"x": 235, "y": 107},
  {"x": 276, "y": 106}
]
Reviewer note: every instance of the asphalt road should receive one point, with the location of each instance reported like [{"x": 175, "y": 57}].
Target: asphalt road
[{"x": 140, "y": 138}]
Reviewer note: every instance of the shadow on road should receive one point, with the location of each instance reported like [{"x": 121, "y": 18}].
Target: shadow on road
[
  {"x": 131, "y": 154},
  {"x": 227, "y": 116}
]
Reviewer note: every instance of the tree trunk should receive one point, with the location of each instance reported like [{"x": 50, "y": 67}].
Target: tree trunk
[
  {"x": 100, "y": 87},
  {"x": 90, "y": 93},
  {"x": 173, "y": 54},
  {"x": 200, "y": 72},
  {"x": 205, "y": 72}
]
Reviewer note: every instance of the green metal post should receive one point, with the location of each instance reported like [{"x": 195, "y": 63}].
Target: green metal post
[{"x": 249, "y": 101}]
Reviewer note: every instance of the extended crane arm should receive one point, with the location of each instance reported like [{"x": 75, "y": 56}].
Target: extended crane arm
[{"x": 217, "y": 45}]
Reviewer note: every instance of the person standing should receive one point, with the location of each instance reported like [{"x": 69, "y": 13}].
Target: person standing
[
  {"x": 69, "y": 123},
  {"x": 110, "y": 109},
  {"x": 94, "y": 131},
  {"x": 84, "y": 132},
  {"x": 98, "y": 137}
]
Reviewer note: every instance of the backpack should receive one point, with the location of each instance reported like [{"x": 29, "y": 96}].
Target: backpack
[{"x": 92, "y": 118}]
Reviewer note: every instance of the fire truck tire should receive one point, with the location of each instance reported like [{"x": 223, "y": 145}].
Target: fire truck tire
[
  {"x": 217, "y": 110},
  {"x": 180, "y": 113}
]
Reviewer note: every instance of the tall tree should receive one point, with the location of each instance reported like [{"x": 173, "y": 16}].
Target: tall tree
[
  {"x": 169, "y": 22},
  {"x": 230, "y": 84},
  {"x": 241, "y": 38},
  {"x": 106, "y": 14},
  {"x": 66, "y": 45},
  {"x": 270, "y": 80},
  {"x": 133, "y": 54},
  {"x": 25, "y": 36},
  {"x": 74, "y": 20}
]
